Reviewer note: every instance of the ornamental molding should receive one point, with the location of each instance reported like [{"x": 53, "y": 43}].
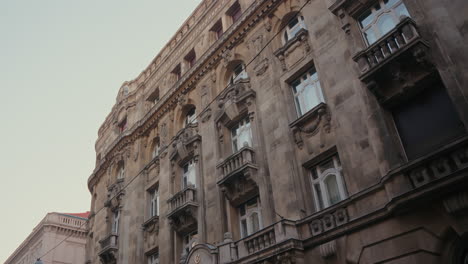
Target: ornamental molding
[{"x": 253, "y": 15}]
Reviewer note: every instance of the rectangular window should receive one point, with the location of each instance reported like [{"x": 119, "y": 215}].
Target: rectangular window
[
  {"x": 293, "y": 27},
  {"x": 191, "y": 117},
  {"x": 189, "y": 175},
  {"x": 427, "y": 122},
  {"x": 250, "y": 217},
  {"x": 189, "y": 241},
  {"x": 115, "y": 222},
  {"x": 154, "y": 96},
  {"x": 381, "y": 18},
  {"x": 153, "y": 258},
  {"x": 241, "y": 135},
  {"x": 307, "y": 92},
  {"x": 190, "y": 58},
  {"x": 154, "y": 203},
  {"x": 177, "y": 72},
  {"x": 328, "y": 183},
  {"x": 217, "y": 29},
  {"x": 235, "y": 12}
]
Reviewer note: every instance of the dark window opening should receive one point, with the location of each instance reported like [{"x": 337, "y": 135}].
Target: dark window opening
[
  {"x": 217, "y": 29},
  {"x": 235, "y": 12},
  {"x": 190, "y": 58},
  {"x": 177, "y": 72},
  {"x": 427, "y": 121},
  {"x": 123, "y": 125}
]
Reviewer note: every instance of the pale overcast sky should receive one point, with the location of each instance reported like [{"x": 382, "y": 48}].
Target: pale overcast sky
[{"x": 61, "y": 65}]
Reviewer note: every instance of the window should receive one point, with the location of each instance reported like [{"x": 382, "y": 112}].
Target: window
[
  {"x": 190, "y": 58},
  {"x": 293, "y": 27},
  {"x": 189, "y": 241},
  {"x": 154, "y": 96},
  {"x": 188, "y": 176},
  {"x": 121, "y": 170},
  {"x": 235, "y": 12},
  {"x": 427, "y": 121},
  {"x": 191, "y": 116},
  {"x": 217, "y": 29},
  {"x": 307, "y": 92},
  {"x": 153, "y": 258},
  {"x": 154, "y": 203},
  {"x": 238, "y": 73},
  {"x": 250, "y": 219},
  {"x": 156, "y": 148},
  {"x": 241, "y": 135},
  {"x": 382, "y": 17},
  {"x": 115, "y": 222},
  {"x": 122, "y": 125},
  {"x": 177, "y": 72},
  {"x": 327, "y": 183}
]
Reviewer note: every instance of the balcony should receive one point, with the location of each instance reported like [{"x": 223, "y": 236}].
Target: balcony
[
  {"x": 396, "y": 62},
  {"x": 109, "y": 248},
  {"x": 183, "y": 210},
  {"x": 236, "y": 175}
]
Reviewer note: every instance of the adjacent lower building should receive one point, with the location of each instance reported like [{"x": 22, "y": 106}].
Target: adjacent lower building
[
  {"x": 291, "y": 131},
  {"x": 60, "y": 238}
]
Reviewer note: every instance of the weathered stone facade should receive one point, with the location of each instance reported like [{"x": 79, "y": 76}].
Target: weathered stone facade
[
  {"x": 66, "y": 233},
  {"x": 291, "y": 131}
]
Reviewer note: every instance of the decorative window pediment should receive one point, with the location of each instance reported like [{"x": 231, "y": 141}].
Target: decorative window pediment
[
  {"x": 185, "y": 144},
  {"x": 236, "y": 99}
]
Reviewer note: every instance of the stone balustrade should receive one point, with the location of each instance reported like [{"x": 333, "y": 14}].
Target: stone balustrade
[
  {"x": 186, "y": 196},
  {"x": 109, "y": 242},
  {"x": 236, "y": 162},
  {"x": 443, "y": 163},
  {"x": 258, "y": 241},
  {"x": 388, "y": 47}
]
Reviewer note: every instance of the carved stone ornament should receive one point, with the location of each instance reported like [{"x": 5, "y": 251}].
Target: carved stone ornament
[
  {"x": 151, "y": 229},
  {"x": 328, "y": 249},
  {"x": 115, "y": 192},
  {"x": 227, "y": 57},
  {"x": 235, "y": 99},
  {"x": 261, "y": 67},
  {"x": 205, "y": 115},
  {"x": 185, "y": 143},
  {"x": 308, "y": 125},
  {"x": 185, "y": 220},
  {"x": 457, "y": 203},
  {"x": 202, "y": 254},
  {"x": 295, "y": 50}
]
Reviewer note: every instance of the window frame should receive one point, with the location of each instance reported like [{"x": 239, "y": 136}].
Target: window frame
[
  {"x": 217, "y": 29},
  {"x": 248, "y": 213},
  {"x": 322, "y": 200},
  {"x": 299, "y": 95},
  {"x": 189, "y": 174},
  {"x": 373, "y": 25},
  {"x": 191, "y": 118},
  {"x": 244, "y": 126},
  {"x": 115, "y": 221},
  {"x": 154, "y": 202},
  {"x": 290, "y": 33},
  {"x": 237, "y": 74},
  {"x": 235, "y": 12},
  {"x": 153, "y": 258}
]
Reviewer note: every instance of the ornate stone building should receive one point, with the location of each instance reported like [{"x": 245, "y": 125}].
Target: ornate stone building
[
  {"x": 52, "y": 230},
  {"x": 291, "y": 131}
]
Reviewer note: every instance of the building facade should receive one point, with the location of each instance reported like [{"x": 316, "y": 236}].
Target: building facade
[
  {"x": 52, "y": 230},
  {"x": 291, "y": 131}
]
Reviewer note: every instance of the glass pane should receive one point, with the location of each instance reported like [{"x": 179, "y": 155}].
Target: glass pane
[
  {"x": 310, "y": 97},
  {"x": 385, "y": 24},
  {"x": 298, "y": 106},
  {"x": 255, "y": 222},
  {"x": 370, "y": 36},
  {"x": 333, "y": 190},
  {"x": 244, "y": 228},
  {"x": 366, "y": 19},
  {"x": 318, "y": 193},
  {"x": 401, "y": 10},
  {"x": 244, "y": 138}
]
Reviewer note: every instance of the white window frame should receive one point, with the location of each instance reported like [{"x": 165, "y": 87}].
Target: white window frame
[
  {"x": 323, "y": 200},
  {"x": 291, "y": 32},
  {"x": 115, "y": 221},
  {"x": 373, "y": 25},
  {"x": 191, "y": 119},
  {"x": 189, "y": 174},
  {"x": 153, "y": 258},
  {"x": 300, "y": 88},
  {"x": 154, "y": 203},
  {"x": 238, "y": 75},
  {"x": 156, "y": 149},
  {"x": 247, "y": 218},
  {"x": 241, "y": 128},
  {"x": 121, "y": 172}
]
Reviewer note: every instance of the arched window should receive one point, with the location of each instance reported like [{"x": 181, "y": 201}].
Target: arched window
[
  {"x": 191, "y": 116},
  {"x": 381, "y": 18},
  {"x": 238, "y": 73},
  {"x": 295, "y": 24},
  {"x": 327, "y": 183}
]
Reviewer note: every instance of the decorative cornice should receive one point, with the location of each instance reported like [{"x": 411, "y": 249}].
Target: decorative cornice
[{"x": 233, "y": 35}]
